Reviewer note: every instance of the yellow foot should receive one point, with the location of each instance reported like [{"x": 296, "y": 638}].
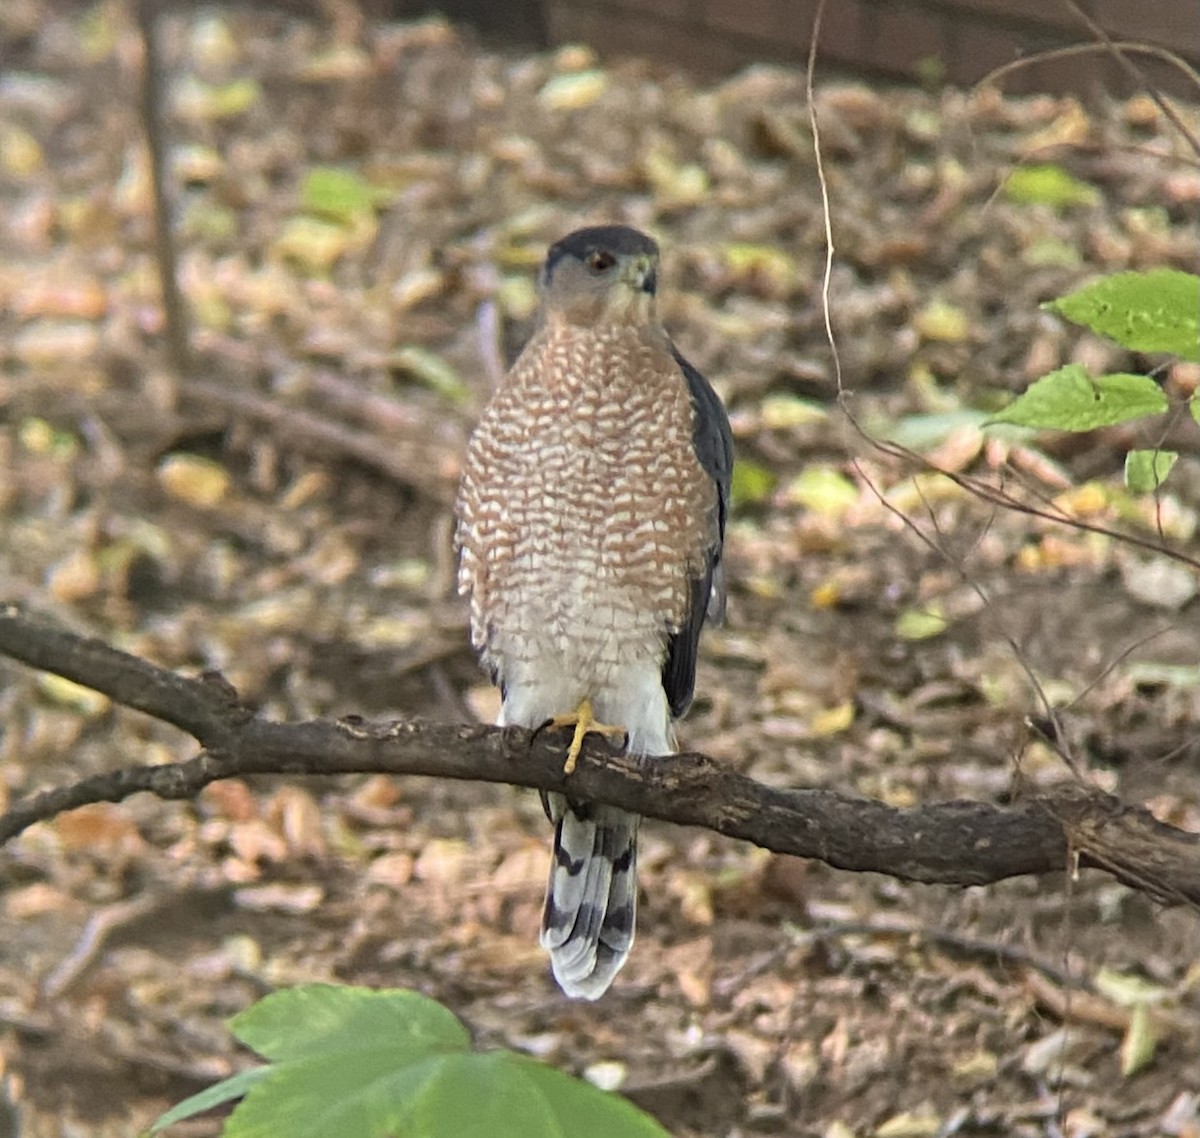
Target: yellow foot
[{"x": 584, "y": 722}]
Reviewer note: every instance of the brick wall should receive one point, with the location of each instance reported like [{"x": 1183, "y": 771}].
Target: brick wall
[{"x": 893, "y": 38}]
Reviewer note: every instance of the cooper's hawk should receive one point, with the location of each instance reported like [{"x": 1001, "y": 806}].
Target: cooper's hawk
[{"x": 591, "y": 520}]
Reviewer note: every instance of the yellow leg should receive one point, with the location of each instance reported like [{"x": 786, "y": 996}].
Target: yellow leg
[{"x": 584, "y": 721}]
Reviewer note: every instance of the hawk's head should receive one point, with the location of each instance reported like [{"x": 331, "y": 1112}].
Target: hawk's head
[{"x": 602, "y": 273}]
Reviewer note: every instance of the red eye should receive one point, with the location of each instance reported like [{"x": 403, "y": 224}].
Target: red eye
[{"x": 601, "y": 261}]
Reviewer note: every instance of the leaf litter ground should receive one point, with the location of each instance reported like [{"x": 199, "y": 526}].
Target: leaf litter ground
[{"x": 282, "y": 517}]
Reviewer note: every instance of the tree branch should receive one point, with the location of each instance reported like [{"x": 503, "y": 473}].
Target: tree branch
[
  {"x": 410, "y": 458},
  {"x": 957, "y": 842}
]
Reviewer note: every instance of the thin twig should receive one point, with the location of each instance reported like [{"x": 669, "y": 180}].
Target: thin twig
[
  {"x": 1136, "y": 74},
  {"x": 942, "y": 938},
  {"x": 1078, "y": 1005},
  {"x": 175, "y": 314},
  {"x": 1000, "y": 497},
  {"x": 960, "y": 570},
  {"x": 826, "y": 217},
  {"x": 415, "y": 463},
  {"x": 100, "y": 926},
  {"x": 383, "y": 413},
  {"x": 1126, "y": 46},
  {"x": 488, "y": 335}
]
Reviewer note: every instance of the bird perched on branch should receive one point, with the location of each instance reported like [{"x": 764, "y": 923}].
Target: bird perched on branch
[{"x": 591, "y": 518}]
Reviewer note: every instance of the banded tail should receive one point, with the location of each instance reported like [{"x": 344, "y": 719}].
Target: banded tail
[{"x": 591, "y": 899}]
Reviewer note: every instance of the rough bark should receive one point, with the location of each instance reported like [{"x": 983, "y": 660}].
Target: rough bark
[{"x": 957, "y": 842}]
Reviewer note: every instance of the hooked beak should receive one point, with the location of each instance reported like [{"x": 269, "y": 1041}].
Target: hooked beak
[{"x": 641, "y": 275}]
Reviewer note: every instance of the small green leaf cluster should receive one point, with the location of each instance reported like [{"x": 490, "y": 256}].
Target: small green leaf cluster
[
  {"x": 340, "y": 195},
  {"x": 347, "y": 1062},
  {"x": 1157, "y": 311},
  {"x": 1048, "y": 185}
]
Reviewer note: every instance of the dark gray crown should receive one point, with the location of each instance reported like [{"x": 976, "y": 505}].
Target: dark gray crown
[{"x": 620, "y": 240}]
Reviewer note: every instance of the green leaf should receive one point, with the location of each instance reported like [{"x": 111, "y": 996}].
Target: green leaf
[
  {"x": 1140, "y": 1042},
  {"x": 765, "y": 261},
  {"x": 583, "y": 1111},
  {"x": 1184, "y": 677},
  {"x": 1048, "y": 185},
  {"x": 573, "y": 91},
  {"x": 339, "y": 194},
  {"x": 924, "y": 432},
  {"x": 752, "y": 483},
  {"x": 311, "y": 243},
  {"x": 353, "y": 1063},
  {"x": 1071, "y": 400},
  {"x": 498, "y": 1094},
  {"x": 1194, "y": 402},
  {"x": 217, "y": 1095},
  {"x": 233, "y": 98},
  {"x": 42, "y": 438},
  {"x": 823, "y": 490},
  {"x": 1145, "y": 470},
  {"x": 315, "y": 1019},
  {"x": 358, "y": 1093},
  {"x": 1052, "y": 251},
  {"x": 783, "y": 412},
  {"x": 433, "y": 371},
  {"x": 1158, "y": 311},
  {"x": 942, "y": 322},
  {"x": 921, "y": 623},
  {"x": 207, "y": 101},
  {"x": 1129, "y": 989}
]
